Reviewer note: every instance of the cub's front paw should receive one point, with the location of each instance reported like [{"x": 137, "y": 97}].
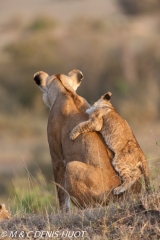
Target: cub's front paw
[{"x": 73, "y": 134}]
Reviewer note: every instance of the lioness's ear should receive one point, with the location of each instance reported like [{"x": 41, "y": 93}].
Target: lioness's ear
[
  {"x": 40, "y": 78},
  {"x": 107, "y": 96},
  {"x": 76, "y": 75}
]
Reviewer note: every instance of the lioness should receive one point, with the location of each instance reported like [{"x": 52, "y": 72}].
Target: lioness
[
  {"x": 4, "y": 214},
  {"x": 82, "y": 168},
  {"x": 129, "y": 160}
]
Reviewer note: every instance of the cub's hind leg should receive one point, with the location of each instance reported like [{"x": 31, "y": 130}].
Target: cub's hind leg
[{"x": 128, "y": 173}]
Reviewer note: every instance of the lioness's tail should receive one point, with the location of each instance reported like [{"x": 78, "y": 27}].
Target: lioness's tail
[{"x": 145, "y": 171}]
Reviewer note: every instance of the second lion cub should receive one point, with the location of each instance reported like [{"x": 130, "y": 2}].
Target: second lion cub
[{"x": 129, "y": 160}]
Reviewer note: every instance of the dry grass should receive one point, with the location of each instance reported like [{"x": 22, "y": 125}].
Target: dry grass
[{"x": 133, "y": 218}]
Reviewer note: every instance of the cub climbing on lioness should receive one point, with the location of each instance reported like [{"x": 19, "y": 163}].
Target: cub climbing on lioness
[{"x": 129, "y": 160}]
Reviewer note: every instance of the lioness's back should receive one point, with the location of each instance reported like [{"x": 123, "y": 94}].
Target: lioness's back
[{"x": 89, "y": 148}]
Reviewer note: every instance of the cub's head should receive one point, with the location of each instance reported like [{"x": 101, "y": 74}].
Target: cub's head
[
  {"x": 48, "y": 85},
  {"x": 102, "y": 102},
  {"x": 4, "y": 214}
]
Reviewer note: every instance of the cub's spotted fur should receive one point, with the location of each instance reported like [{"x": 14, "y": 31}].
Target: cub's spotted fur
[{"x": 129, "y": 160}]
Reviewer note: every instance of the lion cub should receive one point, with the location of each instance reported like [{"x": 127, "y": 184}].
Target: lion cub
[
  {"x": 4, "y": 214},
  {"x": 129, "y": 160}
]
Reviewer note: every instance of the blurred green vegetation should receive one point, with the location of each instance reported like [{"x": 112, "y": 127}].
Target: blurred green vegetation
[
  {"x": 41, "y": 24},
  {"x": 37, "y": 196},
  {"x": 110, "y": 58}
]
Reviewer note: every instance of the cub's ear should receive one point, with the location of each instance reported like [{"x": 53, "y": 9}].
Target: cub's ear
[
  {"x": 40, "y": 78},
  {"x": 107, "y": 96},
  {"x": 76, "y": 75},
  {"x": 2, "y": 206}
]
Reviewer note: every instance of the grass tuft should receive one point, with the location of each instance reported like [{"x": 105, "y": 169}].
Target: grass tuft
[{"x": 136, "y": 217}]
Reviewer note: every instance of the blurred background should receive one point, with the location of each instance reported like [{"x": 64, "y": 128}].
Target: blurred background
[{"x": 115, "y": 43}]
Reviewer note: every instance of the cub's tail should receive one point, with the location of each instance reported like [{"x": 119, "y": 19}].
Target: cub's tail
[{"x": 145, "y": 171}]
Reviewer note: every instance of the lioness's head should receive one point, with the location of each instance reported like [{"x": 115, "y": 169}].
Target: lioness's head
[
  {"x": 46, "y": 83},
  {"x": 102, "y": 102},
  {"x": 4, "y": 214}
]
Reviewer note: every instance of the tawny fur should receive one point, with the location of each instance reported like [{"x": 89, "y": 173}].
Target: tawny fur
[
  {"x": 82, "y": 167},
  {"x": 4, "y": 214},
  {"x": 129, "y": 160}
]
